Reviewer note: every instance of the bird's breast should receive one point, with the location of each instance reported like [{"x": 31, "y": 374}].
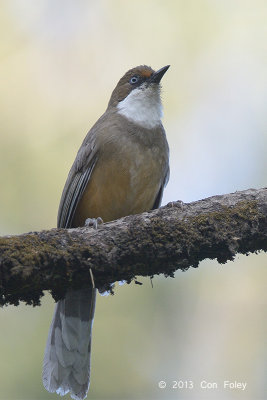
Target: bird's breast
[{"x": 126, "y": 180}]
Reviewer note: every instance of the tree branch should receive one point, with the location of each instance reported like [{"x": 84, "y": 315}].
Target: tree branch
[{"x": 173, "y": 237}]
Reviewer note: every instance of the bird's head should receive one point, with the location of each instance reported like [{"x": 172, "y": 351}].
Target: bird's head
[{"x": 137, "y": 96}]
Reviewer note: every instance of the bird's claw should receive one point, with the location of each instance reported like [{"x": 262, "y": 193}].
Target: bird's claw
[{"x": 93, "y": 222}]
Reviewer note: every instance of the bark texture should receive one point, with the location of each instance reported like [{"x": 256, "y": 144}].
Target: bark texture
[{"x": 161, "y": 241}]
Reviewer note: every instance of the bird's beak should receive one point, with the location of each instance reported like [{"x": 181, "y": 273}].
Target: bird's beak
[{"x": 156, "y": 76}]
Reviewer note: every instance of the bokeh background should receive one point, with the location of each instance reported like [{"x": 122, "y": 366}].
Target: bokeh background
[{"x": 59, "y": 61}]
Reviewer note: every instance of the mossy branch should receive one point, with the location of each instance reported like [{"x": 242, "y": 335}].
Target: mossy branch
[{"x": 161, "y": 241}]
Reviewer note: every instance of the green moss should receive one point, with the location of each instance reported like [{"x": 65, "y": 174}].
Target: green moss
[{"x": 244, "y": 210}]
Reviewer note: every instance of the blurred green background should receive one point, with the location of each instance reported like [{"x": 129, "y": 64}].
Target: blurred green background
[{"x": 59, "y": 61}]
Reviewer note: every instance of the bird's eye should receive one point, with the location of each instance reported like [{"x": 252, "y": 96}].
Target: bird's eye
[{"x": 134, "y": 79}]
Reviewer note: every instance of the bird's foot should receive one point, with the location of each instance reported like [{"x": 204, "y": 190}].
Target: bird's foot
[{"x": 93, "y": 222}]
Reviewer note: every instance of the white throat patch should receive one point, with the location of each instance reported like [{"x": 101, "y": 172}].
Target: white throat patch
[{"x": 142, "y": 106}]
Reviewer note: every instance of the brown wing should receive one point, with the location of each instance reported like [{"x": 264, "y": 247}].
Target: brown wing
[
  {"x": 71, "y": 195},
  {"x": 78, "y": 178}
]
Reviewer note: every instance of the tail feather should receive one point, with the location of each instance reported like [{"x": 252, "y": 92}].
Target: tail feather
[{"x": 67, "y": 355}]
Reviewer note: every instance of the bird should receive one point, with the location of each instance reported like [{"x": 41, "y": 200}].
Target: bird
[{"x": 121, "y": 168}]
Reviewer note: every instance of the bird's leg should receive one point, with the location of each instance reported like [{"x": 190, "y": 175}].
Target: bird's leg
[{"x": 93, "y": 222}]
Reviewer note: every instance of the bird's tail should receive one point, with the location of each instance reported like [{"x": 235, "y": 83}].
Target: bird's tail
[{"x": 66, "y": 365}]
